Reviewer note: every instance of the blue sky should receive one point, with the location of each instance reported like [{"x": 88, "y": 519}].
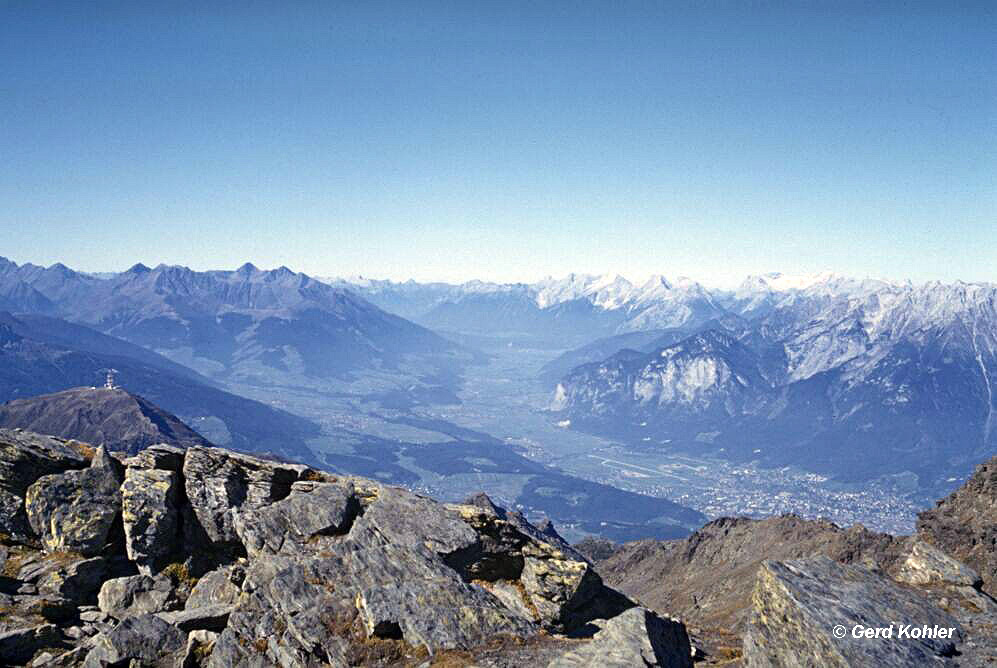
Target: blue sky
[{"x": 503, "y": 141}]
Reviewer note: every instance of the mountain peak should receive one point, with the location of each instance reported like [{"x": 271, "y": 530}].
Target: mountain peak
[{"x": 115, "y": 417}]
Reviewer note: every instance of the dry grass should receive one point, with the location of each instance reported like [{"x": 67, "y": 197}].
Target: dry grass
[
  {"x": 86, "y": 450},
  {"x": 727, "y": 654},
  {"x": 179, "y": 574},
  {"x": 202, "y": 652},
  {"x": 311, "y": 475}
]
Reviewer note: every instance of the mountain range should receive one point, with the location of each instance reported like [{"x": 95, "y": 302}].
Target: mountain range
[
  {"x": 851, "y": 378},
  {"x": 854, "y": 379},
  {"x": 257, "y": 327},
  {"x": 577, "y": 308}
]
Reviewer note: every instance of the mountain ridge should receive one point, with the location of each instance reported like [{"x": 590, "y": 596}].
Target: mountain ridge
[{"x": 101, "y": 416}]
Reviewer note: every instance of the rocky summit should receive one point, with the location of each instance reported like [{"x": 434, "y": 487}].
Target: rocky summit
[{"x": 205, "y": 557}]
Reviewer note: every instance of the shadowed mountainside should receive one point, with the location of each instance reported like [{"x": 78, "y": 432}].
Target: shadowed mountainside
[
  {"x": 115, "y": 418},
  {"x": 41, "y": 355}
]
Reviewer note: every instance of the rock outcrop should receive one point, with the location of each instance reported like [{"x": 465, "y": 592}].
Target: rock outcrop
[
  {"x": 708, "y": 578},
  {"x": 206, "y": 557},
  {"x": 806, "y": 611},
  {"x": 74, "y": 511},
  {"x": 25, "y": 457},
  {"x": 779, "y": 586},
  {"x": 637, "y": 637},
  {"x": 150, "y": 514},
  {"x": 964, "y": 524}
]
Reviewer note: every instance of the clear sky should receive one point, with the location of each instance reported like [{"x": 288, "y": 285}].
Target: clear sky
[{"x": 503, "y": 140}]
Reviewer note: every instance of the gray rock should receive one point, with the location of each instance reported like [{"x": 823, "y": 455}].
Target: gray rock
[
  {"x": 311, "y": 509},
  {"x": 19, "y": 645},
  {"x": 146, "y": 639},
  {"x": 93, "y": 616},
  {"x": 70, "y": 659},
  {"x": 25, "y": 457},
  {"x": 798, "y": 604},
  {"x": 218, "y": 587},
  {"x": 74, "y": 511},
  {"x": 636, "y": 637},
  {"x": 74, "y": 632},
  {"x": 13, "y": 519},
  {"x": 221, "y": 484},
  {"x": 136, "y": 595},
  {"x": 52, "y": 608},
  {"x": 561, "y": 591},
  {"x": 405, "y": 518},
  {"x": 149, "y": 500},
  {"x": 77, "y": 581},
  {"x": 159, "y": 456},
  {"x": 359, "y": 596},
  {"x": 208, "y": 618},
  {"x": 927, "y": 565}
]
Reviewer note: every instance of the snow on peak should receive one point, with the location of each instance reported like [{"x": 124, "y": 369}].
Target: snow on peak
[
  {"x": 606, "y": 291},
  {"x": 778, "y": 282}
]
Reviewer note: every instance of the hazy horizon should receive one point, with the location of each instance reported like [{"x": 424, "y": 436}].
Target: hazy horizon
[{"x": 635, "y": 279}]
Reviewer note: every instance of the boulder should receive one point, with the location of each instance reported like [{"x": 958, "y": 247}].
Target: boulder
[
  {"x": 136, "y": 595},
  {"x": 964, "y": 524},
  {"x": 207, "y": 618},
  {"x": 637, "y": 637},
  {"x": 927, "y": 565},
  {"x": 145, "y": 640},
  {"x": 218, "y": 587},
  {"x": 19, "y": 645},
  {"x": 805, "y": 610},
  {"x": 74, "y": 511},
  {"x": 70, "y": 659},
  {"x": 312, "y": 509},
  {"x": 149, "y": 512},
  {"x": 199, "y": 646},
  {"x": 220, "y": 485},
  {"x": 159, "y": 456},
  {"x": 13, "y": 519},
  {"x": 77, "y": 580},
  {"x": 25, "y": 457},
  {"x": 361, "y": 596},
  {"x": 405, "y": 518},
  {"x": 560, "y": 588}
]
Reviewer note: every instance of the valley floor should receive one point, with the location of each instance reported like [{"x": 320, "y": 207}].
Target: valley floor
[{"x": 503, "y": 402}]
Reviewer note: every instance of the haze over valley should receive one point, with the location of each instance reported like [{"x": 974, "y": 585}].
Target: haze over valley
[{"x": 617, "y": 409}]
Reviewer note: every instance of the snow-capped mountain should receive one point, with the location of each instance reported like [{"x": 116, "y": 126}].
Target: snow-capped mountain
[
  {"x": 573, "y": 309},
  {"x": 853, "y": 378}
]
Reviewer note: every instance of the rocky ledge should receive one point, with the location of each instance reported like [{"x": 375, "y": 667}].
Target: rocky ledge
[{"x": 205, "y": 557}]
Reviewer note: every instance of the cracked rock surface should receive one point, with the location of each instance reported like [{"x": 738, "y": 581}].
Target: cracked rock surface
[{"x": 206, "y": 557}]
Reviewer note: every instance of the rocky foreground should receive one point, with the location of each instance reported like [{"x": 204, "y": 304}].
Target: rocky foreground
[
  {"x": 770, "y": 592},
  {"x": 206, "y": 557}
]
